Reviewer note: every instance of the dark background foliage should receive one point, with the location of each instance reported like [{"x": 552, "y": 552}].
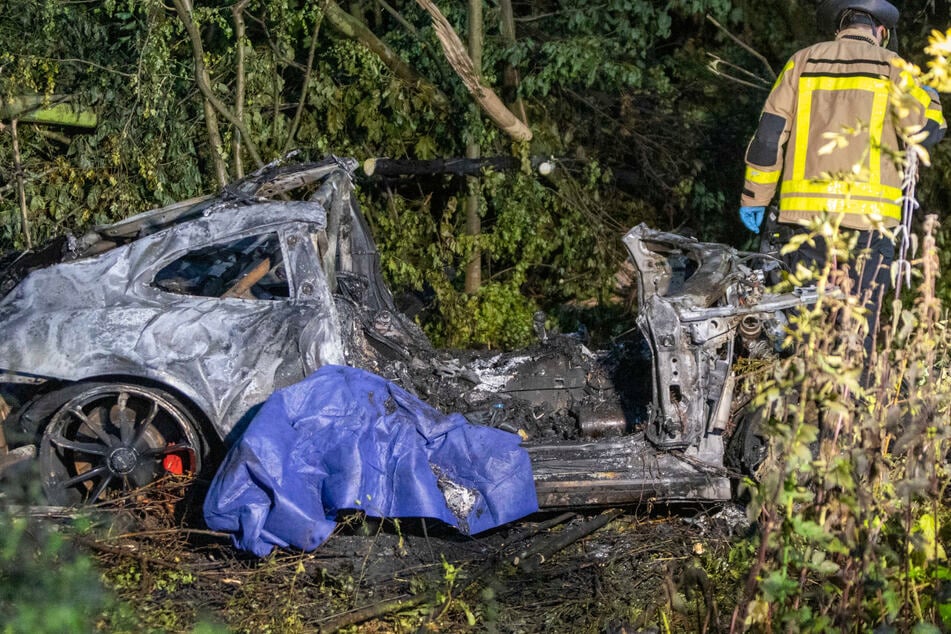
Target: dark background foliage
[{"x": 620, "y": 92}]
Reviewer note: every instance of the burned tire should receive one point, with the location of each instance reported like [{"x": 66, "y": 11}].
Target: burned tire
[
  {"x": 107, "y": 439},
  {"x": 748, "y": 446}
]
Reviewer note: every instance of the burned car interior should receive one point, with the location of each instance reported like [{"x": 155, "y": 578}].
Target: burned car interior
[
  {"x": 141, "y": 348},
  {"x": 251, "y": 267}
]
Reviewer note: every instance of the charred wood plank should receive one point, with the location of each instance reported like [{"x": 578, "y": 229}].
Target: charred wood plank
[{"x": 460, "y": 166}]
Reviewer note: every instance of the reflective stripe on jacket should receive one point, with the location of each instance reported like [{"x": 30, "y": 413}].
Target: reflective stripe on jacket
[{"x": 827, "y": 134}]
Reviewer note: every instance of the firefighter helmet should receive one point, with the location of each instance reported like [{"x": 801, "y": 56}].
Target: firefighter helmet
[{"x": 829, "y": 11}]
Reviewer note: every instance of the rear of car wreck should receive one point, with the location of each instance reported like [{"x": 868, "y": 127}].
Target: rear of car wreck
[{"x": 138, "y": 348}]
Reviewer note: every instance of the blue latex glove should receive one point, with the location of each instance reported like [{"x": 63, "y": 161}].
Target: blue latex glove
[{"x": 752, "y": 217}]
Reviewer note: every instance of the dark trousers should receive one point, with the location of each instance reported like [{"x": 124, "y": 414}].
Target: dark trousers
[{"x": 869, "y": 271}]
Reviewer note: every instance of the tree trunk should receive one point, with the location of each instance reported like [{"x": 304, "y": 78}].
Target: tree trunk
[
  {"x": 237, "y": 11},
  {"x": 184, "y": 9},
  {"x": 213, "y": 105},
  {"x": 21, "y": 187},
  {"x": 474, "y": 151},
  {"x": 510, "y": 78}
]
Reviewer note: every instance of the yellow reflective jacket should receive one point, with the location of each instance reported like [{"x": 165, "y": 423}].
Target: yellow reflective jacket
[{"x": 852, "y": 89}]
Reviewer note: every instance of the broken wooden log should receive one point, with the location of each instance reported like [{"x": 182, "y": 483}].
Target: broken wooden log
[
  {"x": 627, "y": 179},
  {"x": 356, "y": 30},
  {"x": 252, "y": 277},
  {"x": 47, "y": 110},
  {"x": 458, "y": 58},
  {"x": 459, "y": 166}
]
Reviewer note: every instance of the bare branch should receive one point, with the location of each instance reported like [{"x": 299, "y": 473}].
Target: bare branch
[
  {"x": 298, "y": 113},
  {"x": 73, "y": 60},
  {"x": 758, "y": 82},
  {"x": 398, "y": 17},
  {"x": 203, "y": 80},
  {"x": 744, "y": 46},
  {"x": 21, "y": 188}
]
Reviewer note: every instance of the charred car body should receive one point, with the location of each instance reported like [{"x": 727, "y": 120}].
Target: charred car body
[{"x": 143, "y": 347}]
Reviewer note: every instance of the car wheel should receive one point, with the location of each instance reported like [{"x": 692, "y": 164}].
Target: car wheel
[{"x": 111, "y": 438}]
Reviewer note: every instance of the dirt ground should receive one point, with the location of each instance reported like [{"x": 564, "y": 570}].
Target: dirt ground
[{"x": 600, "y": 570}]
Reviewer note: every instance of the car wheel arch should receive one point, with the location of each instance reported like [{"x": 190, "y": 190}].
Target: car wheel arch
[{"x": 33, "y": 415}]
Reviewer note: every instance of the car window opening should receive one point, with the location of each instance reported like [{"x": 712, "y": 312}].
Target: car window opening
[{"x": 248, "y": 268}]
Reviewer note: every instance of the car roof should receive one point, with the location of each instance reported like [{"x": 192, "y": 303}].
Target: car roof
[{"x": 264, "y": 185}]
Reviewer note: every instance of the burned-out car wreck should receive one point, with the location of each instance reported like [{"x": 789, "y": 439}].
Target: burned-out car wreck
[{"x": 144, "y": 347}]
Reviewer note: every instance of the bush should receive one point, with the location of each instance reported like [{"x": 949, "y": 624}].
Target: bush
[{"x": 851, "y": 499}]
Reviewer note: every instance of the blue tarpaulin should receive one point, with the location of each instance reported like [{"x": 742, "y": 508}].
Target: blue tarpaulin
[{"x": 344, "y": 438}]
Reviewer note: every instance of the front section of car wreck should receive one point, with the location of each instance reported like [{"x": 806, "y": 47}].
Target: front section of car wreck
[{"x": 144, "y": 348}]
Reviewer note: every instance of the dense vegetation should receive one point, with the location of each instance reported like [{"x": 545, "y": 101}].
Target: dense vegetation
[
  {"x": 620, "y": 92},
  {"x": 646, "y": 107}
]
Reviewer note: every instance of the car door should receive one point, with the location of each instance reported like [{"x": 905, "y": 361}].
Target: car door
[{"x": 234, "y": 310}]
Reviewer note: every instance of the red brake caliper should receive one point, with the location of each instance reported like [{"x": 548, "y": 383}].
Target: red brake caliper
[{"x": 173, "y": 464}]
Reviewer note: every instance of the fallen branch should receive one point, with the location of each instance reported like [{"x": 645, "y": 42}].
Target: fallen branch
[
  {"x": 177, "y": 531},
  {"x": 374, "y": 611},
  {"x": 392, "y": 606},
  {"x": 92, "y": 544},
  {"x": 461, "y": 62},
  {"x": 530, "y": 560}
]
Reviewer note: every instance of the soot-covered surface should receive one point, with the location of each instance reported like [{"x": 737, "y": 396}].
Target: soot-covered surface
[{"x": 558, "y": 389}]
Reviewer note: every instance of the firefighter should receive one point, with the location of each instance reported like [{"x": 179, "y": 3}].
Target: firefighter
[{"x": 832, "y": 86}]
